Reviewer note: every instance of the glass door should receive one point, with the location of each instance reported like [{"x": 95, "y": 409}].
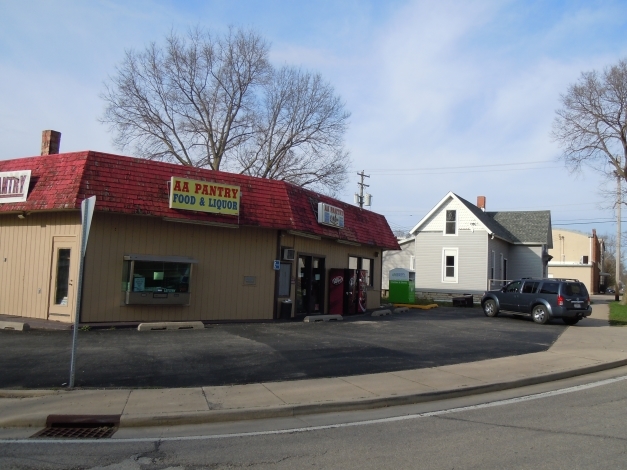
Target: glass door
[{"x": 310, "y": 286}]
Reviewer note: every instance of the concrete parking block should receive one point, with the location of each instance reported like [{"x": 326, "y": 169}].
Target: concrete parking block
[
  {"x": 387, "y": 384},
  {"x": 241, "y": 396},
  {"x": 381, "y": 313},
  {"x": 317, "y": 391},
  {"x": 170, "y": 400},
  {"x": 317, "y": 318},
  {"x": 171, "y": 325},
  {"x": 14, "y": 325}
]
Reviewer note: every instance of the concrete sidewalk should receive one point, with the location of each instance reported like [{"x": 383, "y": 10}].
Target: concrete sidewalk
[{"x": 590, "y": 346}]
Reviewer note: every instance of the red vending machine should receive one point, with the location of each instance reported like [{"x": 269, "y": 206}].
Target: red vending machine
[{"x": 347, "y": 291}]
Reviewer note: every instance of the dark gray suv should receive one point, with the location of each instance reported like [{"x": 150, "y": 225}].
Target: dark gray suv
[{"x": 543, "y": 299}]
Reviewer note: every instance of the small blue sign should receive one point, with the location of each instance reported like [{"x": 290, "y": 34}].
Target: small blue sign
[{"x": 277, "y": 265}]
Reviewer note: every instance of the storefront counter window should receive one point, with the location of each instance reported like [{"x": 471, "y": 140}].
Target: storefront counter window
[{"x": 148, "y": 279}]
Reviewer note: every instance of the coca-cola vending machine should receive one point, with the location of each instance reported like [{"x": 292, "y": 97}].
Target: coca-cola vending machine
[{"x": 347, "y": 291}]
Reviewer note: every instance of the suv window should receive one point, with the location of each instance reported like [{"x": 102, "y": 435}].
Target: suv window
[
  {"x": 549, "y": 288},
  {"x": 530, "y": 287},
  {"x": 513, "y": 286},
  {"x": 575, "y": 288}
]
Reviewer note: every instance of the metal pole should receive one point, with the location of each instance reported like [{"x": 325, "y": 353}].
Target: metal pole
[
  {"x": 618, "y": 235},
  {"x": 87, "y": 208}
]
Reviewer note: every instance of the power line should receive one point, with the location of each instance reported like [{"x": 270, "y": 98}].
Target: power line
[
  {"x": 489, "y": 165},
  {"x": 456, "y": 170}
]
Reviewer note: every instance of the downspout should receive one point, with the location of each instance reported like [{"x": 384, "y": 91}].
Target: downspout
[{"x": 277, "y": 275}]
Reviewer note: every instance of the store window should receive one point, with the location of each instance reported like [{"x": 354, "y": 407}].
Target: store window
[
  {"x": 365, "y": 264},
  {"x": 150, "y": 279}
]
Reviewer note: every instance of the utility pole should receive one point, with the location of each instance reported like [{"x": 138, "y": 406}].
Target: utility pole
[
  {"x": 618, "y": 234},
  {"x": 361, "y": 199}
]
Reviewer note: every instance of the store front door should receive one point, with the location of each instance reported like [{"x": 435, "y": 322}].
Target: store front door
[
  {"x": 63, "y": 278},
  {"x": 310, "y": 285}
]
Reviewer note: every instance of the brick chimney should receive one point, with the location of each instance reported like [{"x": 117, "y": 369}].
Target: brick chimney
[
  {"x": 50, "y": 142},
  {"x": 481, "y": 202}
]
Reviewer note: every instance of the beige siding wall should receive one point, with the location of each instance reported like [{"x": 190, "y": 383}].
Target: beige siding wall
[
  {"x": 583, "y": 272},
  {"x": 217, "y": 289},
  {"x": 570, "y": 246},
  {"x": 336, "y": 256},
  {"x": 26, "y": 259}
]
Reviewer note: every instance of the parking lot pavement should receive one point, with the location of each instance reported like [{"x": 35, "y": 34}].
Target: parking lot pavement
[{"x": 247, "y": 353}]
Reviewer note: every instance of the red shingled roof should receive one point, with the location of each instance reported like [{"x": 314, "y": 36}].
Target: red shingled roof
[{"x": 135, "y": 186}]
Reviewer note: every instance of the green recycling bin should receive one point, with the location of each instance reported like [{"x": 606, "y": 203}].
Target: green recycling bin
[{"x": 402, "y": 286}]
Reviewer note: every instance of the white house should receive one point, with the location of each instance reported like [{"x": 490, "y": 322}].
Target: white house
[{"x": 459, "y": 248}]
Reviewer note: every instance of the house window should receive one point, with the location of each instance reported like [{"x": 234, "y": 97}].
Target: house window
[
  {"x": 366, "y": 264},
  {"x": 451, "y": 223},
  {"x": 449, "y": 265},
  {"x": 412, "y": 263}
]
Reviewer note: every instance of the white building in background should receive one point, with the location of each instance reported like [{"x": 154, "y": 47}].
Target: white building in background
[
  {"x": 578, "y": 255},
  {"x": 459, "y": 248}
]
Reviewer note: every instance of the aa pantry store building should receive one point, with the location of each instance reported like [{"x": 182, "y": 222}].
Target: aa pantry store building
[{"x": 174, "y": 243}]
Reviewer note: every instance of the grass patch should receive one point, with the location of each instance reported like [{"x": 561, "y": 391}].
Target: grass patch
[{"x": 618, "y": 314}]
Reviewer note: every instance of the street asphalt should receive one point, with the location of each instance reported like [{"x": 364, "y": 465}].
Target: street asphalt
[{"x": 232, "y": 354}]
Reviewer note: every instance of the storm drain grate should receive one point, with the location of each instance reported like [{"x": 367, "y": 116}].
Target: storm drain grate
[{"x": 79, "y": 427}]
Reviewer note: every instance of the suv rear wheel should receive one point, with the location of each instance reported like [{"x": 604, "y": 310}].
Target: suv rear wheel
[
  {"x": 490, "y": 309},
  {"x": 540, "y": 314}
]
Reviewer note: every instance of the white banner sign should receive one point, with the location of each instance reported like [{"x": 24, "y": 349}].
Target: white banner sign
[
  {"x": 14, "y": 186},
  {"x": 330, "y": 215}
]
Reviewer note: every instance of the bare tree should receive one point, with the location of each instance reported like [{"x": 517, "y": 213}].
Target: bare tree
[
  {"x": 591, "y": 125},
  {"x": 299, "y": 135},
  {"x": 218, "y": 103},
  {"x": 190, "y": 102}
]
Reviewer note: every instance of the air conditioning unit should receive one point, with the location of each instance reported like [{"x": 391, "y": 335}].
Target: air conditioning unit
[{"x": 288, "y": 254}]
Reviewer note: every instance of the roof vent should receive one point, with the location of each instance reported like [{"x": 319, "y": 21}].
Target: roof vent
[{"x": 50, "y": 142}]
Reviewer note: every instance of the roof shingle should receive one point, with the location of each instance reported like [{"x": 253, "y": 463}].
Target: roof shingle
[{"x": 136, "y": 186}]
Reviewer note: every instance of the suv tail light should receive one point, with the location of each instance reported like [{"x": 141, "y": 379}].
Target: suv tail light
[{"x": 560, "y": 300}]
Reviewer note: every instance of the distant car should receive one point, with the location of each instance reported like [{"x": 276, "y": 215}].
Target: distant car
[
  {"x": 609, "y": 290},
  {"x": 543, "y": 299}
]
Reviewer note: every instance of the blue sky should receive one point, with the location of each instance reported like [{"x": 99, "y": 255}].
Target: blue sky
[{"x": 445, "y": 96}]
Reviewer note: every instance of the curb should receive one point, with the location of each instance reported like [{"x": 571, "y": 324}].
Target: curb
[{"x": 221, "y": 416}]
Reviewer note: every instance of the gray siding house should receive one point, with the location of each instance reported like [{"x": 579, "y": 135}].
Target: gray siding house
[{"x": 458, "y": 248}]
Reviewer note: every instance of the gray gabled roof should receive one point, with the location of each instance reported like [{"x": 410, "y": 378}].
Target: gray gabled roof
[{"x": 526, "y": 227}]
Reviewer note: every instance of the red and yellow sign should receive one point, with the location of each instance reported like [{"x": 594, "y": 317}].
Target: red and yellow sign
[{"x": 204, "y": 196}]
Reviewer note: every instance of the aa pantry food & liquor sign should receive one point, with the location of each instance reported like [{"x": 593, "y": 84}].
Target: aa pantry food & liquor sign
[{"x": 204, "y": 196}]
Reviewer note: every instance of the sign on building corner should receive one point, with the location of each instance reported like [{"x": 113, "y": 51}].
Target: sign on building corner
[
  {"x": 14, "y": 186},
  {"x": 330, "y": 215}
]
